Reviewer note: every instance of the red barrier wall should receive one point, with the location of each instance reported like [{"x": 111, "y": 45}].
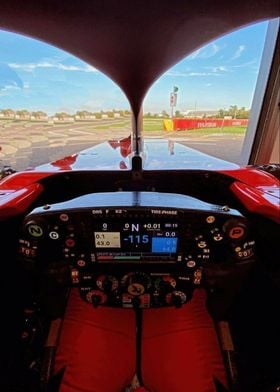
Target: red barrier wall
[{"x": 189, "y": 123}]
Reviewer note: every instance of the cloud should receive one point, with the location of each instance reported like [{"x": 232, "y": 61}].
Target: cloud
[
  {"x": 222, "y": 69},
  {"x": 205, "y": 52},
  {"x": 248, "y": 64},
  {"x": 203, "y": 74},
  {"x": 238, "y": 52},
  {"x": 9, "y": 78},
  {"x": 9, "y": 87},
  {"x": 218, "y": 69},
  {"x": 29, "y": 67},
  {"x": 190, "y": 74}
]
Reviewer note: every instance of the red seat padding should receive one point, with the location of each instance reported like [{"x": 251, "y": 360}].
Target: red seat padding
[
  {"x": 180, "y": 350},
  {"x": 96, "y": 348}
]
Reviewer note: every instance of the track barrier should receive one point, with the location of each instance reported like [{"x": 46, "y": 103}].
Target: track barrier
[{"x": 182, "y": 124}]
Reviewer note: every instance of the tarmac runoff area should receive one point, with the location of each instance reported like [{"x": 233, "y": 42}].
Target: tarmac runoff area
[{"x": 24, "y": 145}]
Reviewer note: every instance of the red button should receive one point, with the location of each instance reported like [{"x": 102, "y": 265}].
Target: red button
[
  {"x": 236, "y": 232},
  {"x": 70, "y": 242}
]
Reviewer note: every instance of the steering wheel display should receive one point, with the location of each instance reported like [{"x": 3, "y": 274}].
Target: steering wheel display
[{"x": 134, "y": 249}]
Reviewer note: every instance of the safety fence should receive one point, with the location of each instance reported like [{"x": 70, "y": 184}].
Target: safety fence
[{"x": 181, "y": 124}]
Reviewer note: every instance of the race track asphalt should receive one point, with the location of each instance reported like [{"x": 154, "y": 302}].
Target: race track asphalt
[{"x": 26, "y": 144}]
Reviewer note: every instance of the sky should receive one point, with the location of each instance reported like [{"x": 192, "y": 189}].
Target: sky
[{"x": 37, "y": 76}]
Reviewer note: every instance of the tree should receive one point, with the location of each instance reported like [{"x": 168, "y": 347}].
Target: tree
[
  {"x": 243, "y": 113},
  {"x": 7, "y": 112},
  {"x": 110, "y": 113},
  {"x": 234, "y": 112},
  {"x": 83, "y": 113},
  {"x": 39, "y": 114},
  {"x": 22, "y": 112},
  {"x": 164, "y": 114},
  {"x": 178, "y": 113},
  {"x": 61, "y": 115},
  {"x": 97, "y": 115},
  {"x": 221, "y": 113}
]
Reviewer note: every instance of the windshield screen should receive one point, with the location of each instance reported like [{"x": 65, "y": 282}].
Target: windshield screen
[
  {"x": 204, "y": 101},
  {"x": 53, "y": 105}
]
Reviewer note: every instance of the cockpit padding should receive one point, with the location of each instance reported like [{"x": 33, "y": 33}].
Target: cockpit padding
[
  {"x": 180, "y": 350},
  {"x": 96, "y": 348},
  {"x": 184, "y": 354}
]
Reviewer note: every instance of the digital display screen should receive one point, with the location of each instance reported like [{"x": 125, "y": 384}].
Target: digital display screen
[
  {"x": 120, "y": 240},
  {"x": 107, "y": 239},
  {"x": 164, "y": 245}
]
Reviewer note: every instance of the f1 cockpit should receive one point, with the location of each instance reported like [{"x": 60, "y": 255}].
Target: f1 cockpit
[
  {"x": 138, "y": 264},
  {"x": 138, "y": 249}
]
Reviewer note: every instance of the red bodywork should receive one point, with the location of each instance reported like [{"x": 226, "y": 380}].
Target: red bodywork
[{"x": 258, "y": 191}]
